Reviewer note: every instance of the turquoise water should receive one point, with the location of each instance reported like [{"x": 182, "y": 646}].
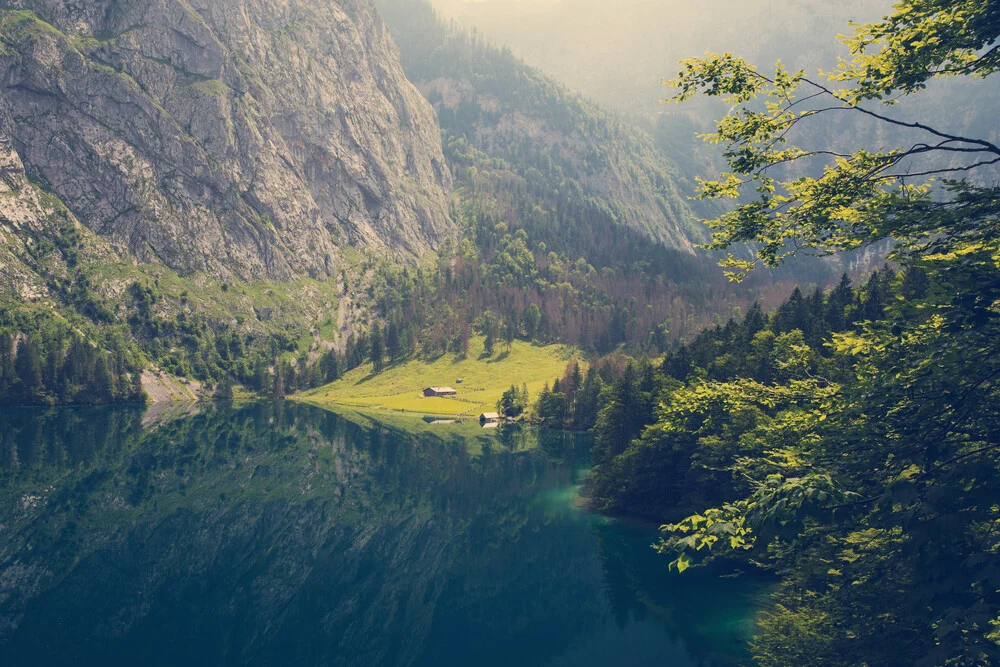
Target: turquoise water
[{"x": 280, "y": 534}]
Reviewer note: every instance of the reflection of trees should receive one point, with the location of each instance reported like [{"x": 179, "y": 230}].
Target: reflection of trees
[
  {"x": 282, "y": 534},
  {"x": 63, "y": 438},
  {"x": 235, "y": 533}
]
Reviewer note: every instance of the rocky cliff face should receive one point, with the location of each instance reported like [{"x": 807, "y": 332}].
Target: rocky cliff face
[{"x": 240, "y": 137}]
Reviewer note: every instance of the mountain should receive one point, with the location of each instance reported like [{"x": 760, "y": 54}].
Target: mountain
[
  {"x": 617, "y": 53},
  {"x": 242, "y": 138},
  {"x": 500, "y": 115},
  {"x": 237, "y": 192}
]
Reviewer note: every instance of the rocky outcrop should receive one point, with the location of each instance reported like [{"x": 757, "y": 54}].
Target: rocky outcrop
[
  {"x": 239, "y": 137},
  {"x": 23, "y": 214}
]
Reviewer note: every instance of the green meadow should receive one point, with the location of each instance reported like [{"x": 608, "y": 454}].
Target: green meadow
[{"x": 479, "y": 380}]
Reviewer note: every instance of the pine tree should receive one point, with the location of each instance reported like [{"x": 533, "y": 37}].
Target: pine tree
[
  {"x": 262, "y": 377},
  {"x": 279, "y": 379},
  {"x": 137, "y": 393},
  {"x": 622, "y": 419},
  {"x": 377, "y": 350},
  {"x": 587, "y": 400},
  {"x": 330, "y": 366},
  {"x": 28, "y": 367},
  {"x": 392, "y": 342},
  {"x": 101, "y": 389},
  {"x": 509, "y": 332},
  {"x": 837, "y": 305},
  {"x": 915, "y": 283},
  {"x": 489, "y": 345}
]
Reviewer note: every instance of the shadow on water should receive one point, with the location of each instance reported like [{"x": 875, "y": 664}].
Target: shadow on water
[{"x": 282, "y": 534}]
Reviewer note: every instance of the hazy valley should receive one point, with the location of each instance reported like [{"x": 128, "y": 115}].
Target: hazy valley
[{"x": 395, "y": 332}]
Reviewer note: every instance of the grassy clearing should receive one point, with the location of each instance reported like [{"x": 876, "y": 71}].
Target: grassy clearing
[{"x": 399, "y": 387}]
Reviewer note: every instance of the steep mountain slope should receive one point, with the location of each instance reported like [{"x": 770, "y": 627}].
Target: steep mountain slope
[
  {"x": 493, "y": 106},
  {"x": 618, "y": 53},
  {"x": 186, "y": 185},
  {"x": 246, "y": 138}
]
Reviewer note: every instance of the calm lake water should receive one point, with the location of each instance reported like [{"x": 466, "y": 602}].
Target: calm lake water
[{"x": 282, "y": 534}]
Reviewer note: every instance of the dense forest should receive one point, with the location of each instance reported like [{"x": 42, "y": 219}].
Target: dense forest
[
  {"x": 557, "y": 240},
  {"x": 846, "y": 441},
  {"x": 795, "y": 342},
  {"x": 53, "y": 363}
]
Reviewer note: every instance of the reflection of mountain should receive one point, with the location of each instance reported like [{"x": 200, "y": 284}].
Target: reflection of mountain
[{"x": 282, "y": 534}]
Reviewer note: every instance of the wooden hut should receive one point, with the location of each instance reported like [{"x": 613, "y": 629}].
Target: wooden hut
[{"x": 439, "y": 391}]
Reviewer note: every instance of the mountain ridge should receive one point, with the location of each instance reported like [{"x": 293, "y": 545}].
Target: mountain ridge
[{"x": 242, "y": 138}]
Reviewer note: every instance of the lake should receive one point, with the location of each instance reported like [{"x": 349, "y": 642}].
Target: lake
[{"x": 284, "y": 534}]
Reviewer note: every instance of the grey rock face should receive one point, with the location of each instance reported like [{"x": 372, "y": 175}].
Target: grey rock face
[{"x": 240, "y": 137}]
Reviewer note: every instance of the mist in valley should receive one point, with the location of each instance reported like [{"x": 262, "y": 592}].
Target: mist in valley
[{"x": 618, "y": 52}]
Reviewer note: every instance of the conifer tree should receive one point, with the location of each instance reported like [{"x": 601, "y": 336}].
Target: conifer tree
[
  {"x": 28, "y": 368},
  {"x": 377, "y": 351}
]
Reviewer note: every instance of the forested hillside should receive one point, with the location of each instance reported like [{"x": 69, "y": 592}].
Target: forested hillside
[
  {"x": 248, "y": 196},
  {"x": 570, "y": 226},
  {"x": 619, "y": 53},
  {"x": 848, "y": 440},
  {"x": 504, "y": 121},
  {"x": 187, "y": 188},
  {"x": 550, "y": 190},
  {"x": 668, "y": 443}
]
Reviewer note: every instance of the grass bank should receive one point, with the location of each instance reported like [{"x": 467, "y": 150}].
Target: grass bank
[{"x": 480, "y": 380}]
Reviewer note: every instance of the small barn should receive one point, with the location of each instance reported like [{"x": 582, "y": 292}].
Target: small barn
[
  {"x": 489, "y": 418},
  {"x": 439, "y": 391}
]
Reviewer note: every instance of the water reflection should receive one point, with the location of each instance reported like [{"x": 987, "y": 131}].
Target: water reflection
[{"x": 284, "y": 534}]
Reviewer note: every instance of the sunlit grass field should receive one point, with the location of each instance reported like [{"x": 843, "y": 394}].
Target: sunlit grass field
[{"x": 484, "y": 379}]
